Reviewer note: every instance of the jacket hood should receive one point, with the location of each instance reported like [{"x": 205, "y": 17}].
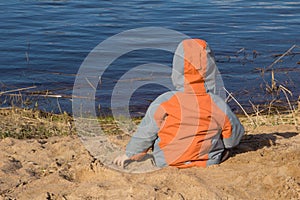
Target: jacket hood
[{"x": 194, "y": 69}]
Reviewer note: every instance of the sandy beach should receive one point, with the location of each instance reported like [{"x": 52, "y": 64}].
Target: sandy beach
[{"x": 264, "y": 166}]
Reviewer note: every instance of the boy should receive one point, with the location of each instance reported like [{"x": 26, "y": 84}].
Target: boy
[{"x": 192, "y": 126}]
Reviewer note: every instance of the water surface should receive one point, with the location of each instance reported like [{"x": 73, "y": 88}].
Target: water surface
[{"x": 43, "y": 43}]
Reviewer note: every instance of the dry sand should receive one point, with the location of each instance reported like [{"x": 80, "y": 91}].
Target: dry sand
[{"x": 266, "y": 165}]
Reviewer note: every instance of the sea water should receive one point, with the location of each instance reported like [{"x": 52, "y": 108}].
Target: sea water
[{"x": 44, "y": 42}]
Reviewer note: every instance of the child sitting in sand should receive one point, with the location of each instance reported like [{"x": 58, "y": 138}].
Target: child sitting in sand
[{"x": 192, "y": 126}]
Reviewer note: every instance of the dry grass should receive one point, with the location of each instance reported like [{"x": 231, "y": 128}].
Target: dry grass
[
  {"x": 272, "y": 119},
  {"x": 271, "y": 114},
  {"x": 27, "y": 123},
  {"x": 23, "y": 123}
]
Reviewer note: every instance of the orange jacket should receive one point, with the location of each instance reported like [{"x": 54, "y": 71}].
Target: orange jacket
[{"x": 190, "y": 126}]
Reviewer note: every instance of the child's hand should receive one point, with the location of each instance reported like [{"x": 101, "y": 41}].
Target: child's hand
[{"x": 120, "y": 160}]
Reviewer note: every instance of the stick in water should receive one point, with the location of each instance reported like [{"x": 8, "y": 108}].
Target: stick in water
[
  {"x": 278, "y": 59},
  {"x": 17, "y": 90}
]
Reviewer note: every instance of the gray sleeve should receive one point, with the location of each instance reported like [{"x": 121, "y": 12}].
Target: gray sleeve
[
  {"x": 237, "y": 130},
  {"x": 232, "y": 129},
  {"x": 147, "y": 130}
]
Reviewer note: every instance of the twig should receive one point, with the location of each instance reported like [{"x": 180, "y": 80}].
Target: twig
[
  {"x": 284, "y": 90},
  {"x": 273, "y": 81},
  {"x": 92, "y": 86},
  {"x": 227, "y": 99},
  {"x": 280, "y": 116},
  {"x": 17, "y": 90},
  {"x": 277, "y": 55},
  {"x": 59, "y": 106},
  {"x": 240, "y": 106},
  {"x": 53, "y": 96},
  {"x": 241, "y": 50},
  {"x": 257, "y": 112},
  {"x": 4, "y": 108},
  {"x": 278, "y": 59},
  {"x": 49, "y": 95}
]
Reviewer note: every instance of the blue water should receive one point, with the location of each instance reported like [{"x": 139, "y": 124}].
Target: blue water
[{"x": 44, "y": 42}]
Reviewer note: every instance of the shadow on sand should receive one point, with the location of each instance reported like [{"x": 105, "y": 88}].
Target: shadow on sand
[{"x": 259, "y": 141}]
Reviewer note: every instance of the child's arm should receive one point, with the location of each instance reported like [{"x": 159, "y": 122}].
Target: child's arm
[
  {"x": 146, "y": 134},
  {"x": 142, "y": 140},
  {"x": 144, "y": 137},
  {"x": 233, "y": 130}
]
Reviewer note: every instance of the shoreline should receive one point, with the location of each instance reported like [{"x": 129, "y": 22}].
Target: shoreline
[{"x": 22, "y": 123}]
